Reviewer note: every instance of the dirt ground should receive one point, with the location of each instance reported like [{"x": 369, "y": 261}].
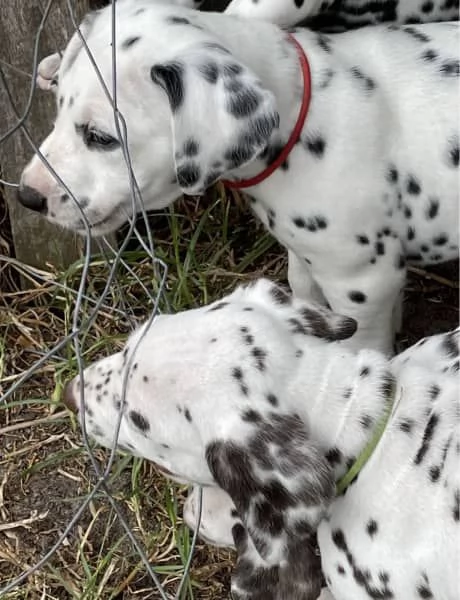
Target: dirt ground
[{"x": 45, "y": 474}]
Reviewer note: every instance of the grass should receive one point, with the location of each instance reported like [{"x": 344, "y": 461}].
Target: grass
[{"x": 45, "y": 471}]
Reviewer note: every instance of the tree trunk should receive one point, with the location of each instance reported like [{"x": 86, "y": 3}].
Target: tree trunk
[{"x": 36, "y": 242}]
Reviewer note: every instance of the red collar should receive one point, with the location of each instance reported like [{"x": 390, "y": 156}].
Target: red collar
[{"x": 245, "y": 183}]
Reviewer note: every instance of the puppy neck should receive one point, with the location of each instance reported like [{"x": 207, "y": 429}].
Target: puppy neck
[{"x": 343, "y": 396}]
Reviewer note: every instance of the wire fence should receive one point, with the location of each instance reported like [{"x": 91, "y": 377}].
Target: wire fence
[{"x": 88, "y": 298}]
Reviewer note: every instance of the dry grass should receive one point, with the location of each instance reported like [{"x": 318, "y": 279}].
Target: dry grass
[{"x": 45, "y": 473}]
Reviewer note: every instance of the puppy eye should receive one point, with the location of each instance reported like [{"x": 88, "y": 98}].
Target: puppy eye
[
  {"x": 98, "y": 139},
  {"x": 93, "y": 138}
]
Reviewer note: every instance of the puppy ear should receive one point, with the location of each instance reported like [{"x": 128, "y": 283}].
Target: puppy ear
[
  {"x": 222, "y": 116},
  {"x": 280, "y": 483},
  {"x": 326, "y": 324},
  {"x": 47, "y": 72},
  {"x": 307, "y": 318}
]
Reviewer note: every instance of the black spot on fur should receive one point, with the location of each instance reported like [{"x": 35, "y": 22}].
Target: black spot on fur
[
  {"x": 187, "y": 415},
  {"x": 260, "y": 355},
  {"x": 450, "y": 68},
  {"x": 251, "y": 416},
  {"x": 272, "y": 399},
  {"x": 392, "y": 174},
  {"x": 139, "y": 420},
  {"x": 432, "y": 209},
  {"x": 424, "y": 592},
  {"x": 218, "y": 306},
  {"x": 188, "y": 174},
  {"x": 450, "y": 346},
  {"x": 440, "y": 240},
  {"x": 272, "y": 153},
  {"x": 232, "y": 69},
  {"x": 315, "y": 144},
  {"x": 456, "y": 507},
  {"x": 366, "y": 421},
  {"x": 434, "y": 392},
  {"x": 171, "y": 78},
  {"x": 416, "y": 34},
  {"x": 324, "y": 42},
  {"x": 406, "y": 425},
  {"x": 367, "y": 82},
  {"x": 311, "y": 224},
  {"x": 338, "y": 538},
  {"x": 240, "y": 154},
  {"x": 243, "y": 103},
  {"x": 327, "y": 75},
  {"x": 299, "y": 222},
  {"x": 362, "y": 239},
  {"x": 380, "y": 248},
  {"x": 130, "y": 42},
  {"x": 427, "y": 7},
  {"x": 210, "y": 71},
  {"x": 174, "y": 20},
  {"x": 372, "y": 527},
  {"x": 237, "y": 373},
  {"x": 191, "y": 147},
  {"x": 357, "y": 296},
  {"x": 400, "y": 261},
  {"x": 429, "y": 55},
  {"x": 413, "y": 186},
  {"x": 427, "y": 437},
  {"x": 454, "y": 152},
  {"x": 435, "y": 473},
  {"x": 334, "y": 457}
]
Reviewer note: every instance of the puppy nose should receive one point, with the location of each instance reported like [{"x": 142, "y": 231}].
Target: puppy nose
[
  {"x": 68, "y": 397},
  {"x": 32, "y": 199}
]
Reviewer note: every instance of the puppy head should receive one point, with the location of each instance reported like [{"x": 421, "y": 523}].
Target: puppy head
[
  {"x": 208, "y": 399},
  {"x": 191, "y": 111}
]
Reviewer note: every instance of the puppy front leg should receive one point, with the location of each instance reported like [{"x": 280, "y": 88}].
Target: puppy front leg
[
  {"x": 301, "y": 280},
  {"x": 370, "y": 294}
]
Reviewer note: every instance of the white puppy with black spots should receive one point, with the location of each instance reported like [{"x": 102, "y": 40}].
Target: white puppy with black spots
[
  {"x": 371, "y": 180},
  {"x": 343, "y": 13},
  {"x": 254, "y": 397}
]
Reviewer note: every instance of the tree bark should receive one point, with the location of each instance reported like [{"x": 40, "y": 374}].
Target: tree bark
[{"x": 36, "y": 242}]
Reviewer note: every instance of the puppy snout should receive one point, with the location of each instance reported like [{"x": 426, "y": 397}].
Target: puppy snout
[
  {"x": 68, "y": 397},
  {"x": 32, "y": 199}
]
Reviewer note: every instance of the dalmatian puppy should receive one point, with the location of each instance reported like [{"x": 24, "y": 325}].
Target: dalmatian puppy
[
  {"x": 371, "y": 182},
  {"x": 254, "y": 398},
  {"x": 345, "y": 14}
]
